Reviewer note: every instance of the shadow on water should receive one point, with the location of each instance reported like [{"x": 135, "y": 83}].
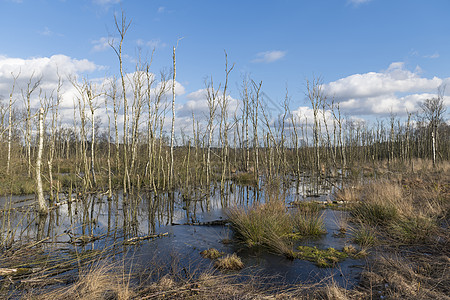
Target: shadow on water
[{"x": 168, "y": 227}]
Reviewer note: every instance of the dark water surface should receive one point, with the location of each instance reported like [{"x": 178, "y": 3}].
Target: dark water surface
[{"x": 96, "y": 223}]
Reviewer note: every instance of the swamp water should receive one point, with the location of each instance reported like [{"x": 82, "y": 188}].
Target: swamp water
[{"x": 169, "y": 231}]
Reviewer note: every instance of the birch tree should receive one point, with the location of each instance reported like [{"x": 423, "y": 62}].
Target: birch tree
[
  {"x": 43, "y": 209},
  {"x": 10, "y": 122},
  {"x": 433, "y": 110}
]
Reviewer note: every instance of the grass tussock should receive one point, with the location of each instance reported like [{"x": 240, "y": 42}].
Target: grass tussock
[
  {"x": 273, "y": 226},
  {"x": 229, "y": 262},
  {"x": 380, "y": 203},
  {"x": 307, "y": 220},
  {"x": 211, "y": 253},
  {"x": 260, "y": 223},
  {"x": 364, "y": 236}
]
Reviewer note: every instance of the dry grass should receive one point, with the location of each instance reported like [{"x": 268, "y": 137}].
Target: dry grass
[
  {"x": 211, "y": 253},
  {"x": 380, "y": 203},
  {"x": 102, "y": 280},
  {"x": 272, "y": 226},
  {"x": 349, "y": 194},
  {"x": 417, "y": 277},
  {"x": 257, "y": 225},
  {"x": 408, "y": 210},
  {"x": 229, "y": 262}
]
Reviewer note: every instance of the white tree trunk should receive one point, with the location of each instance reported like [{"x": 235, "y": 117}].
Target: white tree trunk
[
  {"x": 43, "y": 209},
  {"x": 173, "y": 120}
]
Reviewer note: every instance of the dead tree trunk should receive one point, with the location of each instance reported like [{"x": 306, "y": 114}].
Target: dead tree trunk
[
  {"x": 10, "y": 124},
  {"x": 43, "y": 209}
]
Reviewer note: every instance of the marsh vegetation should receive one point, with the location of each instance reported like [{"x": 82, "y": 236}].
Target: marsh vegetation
[{"x": 129, "y": 210}]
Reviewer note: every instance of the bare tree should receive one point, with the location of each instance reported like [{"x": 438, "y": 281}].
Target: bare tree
[
  {"x": 122, "y": 27},
  {"x": 433, "y": 110},
  {"x": 43, "y": 209},
  {"x": 224, "y": 122},
  {"x": 255, "y": 101},
  {"x": 211, "y": 97},
  {"x": 172, "y": 134},
  {"x": 54, "y": 107},
  {"x": 31, "y": 87},
  {"x": 10, "y": 122},
  {"x": 91, "y": 96},
  {"x": 316, "y": 96}
]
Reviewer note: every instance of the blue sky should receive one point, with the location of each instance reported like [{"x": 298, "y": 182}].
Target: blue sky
[{"x": 374, "y": 56}]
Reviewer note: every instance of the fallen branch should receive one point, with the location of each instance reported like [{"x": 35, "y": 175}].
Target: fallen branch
[
  {"x": 209, "y": 223},
  {"x": 135, "y": 240}
]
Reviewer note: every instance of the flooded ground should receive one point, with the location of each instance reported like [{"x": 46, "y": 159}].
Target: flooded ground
[{"x": 165, "y": 229}]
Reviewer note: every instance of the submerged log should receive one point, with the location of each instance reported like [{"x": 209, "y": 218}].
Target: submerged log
[
  {"x": 209, "y": 223},
  {"x": 6, "y": 272},
  {"x": 135, "y": 240}
]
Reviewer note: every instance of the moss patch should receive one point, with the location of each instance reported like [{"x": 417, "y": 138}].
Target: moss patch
[{"x": 323, "y": 258}]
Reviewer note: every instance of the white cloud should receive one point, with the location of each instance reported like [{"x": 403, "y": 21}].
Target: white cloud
[
  {"x": 269, "y": 56},
  {"x": 197, "y": 103},
  {"x": 161, "y": 9},
  {"x": 101, "y": 44},
  {"x": 45, "y": 69},
  {"x": 395, "y": 89},
  {"x": 395, "y": 79}
]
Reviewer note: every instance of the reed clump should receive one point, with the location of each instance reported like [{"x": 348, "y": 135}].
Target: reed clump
[
  {"x": 272, "y": 226},
  {"x": 259, "y": 223},
  {"x": 308, "y": 220},
  {"x": 229, "y": 262},
  {"x": 380, "y": 203},
  {"x": 364, "y": 236}
]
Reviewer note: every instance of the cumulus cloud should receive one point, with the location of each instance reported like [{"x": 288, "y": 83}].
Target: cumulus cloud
[
  {"x": 47, "y": 70},
  {"x": 269, "y": 56},
  {"x": 396, "y": 89},
  {"x": 46, "y": 67},
  {"x": 197, "y": 103}
]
